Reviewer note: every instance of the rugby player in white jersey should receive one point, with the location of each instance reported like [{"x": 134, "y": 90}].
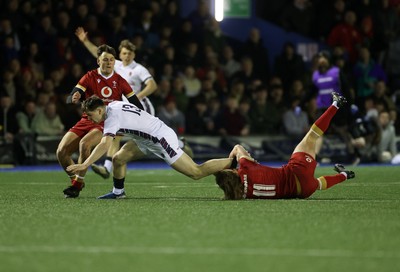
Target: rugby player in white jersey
[
  {"x": 146, "y": 134},
  {"x": 137, "y": 76}
]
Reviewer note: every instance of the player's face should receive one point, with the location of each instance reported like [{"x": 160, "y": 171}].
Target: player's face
[
  {"x": 126, "y": 56},
  {"x": 95, "y": 116},
  {"x": 106, "y": 63}
]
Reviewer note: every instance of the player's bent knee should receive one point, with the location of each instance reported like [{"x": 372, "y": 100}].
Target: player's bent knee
[
  {"x": 62, "y": 151},
  {"x": 118, "y": 160}
]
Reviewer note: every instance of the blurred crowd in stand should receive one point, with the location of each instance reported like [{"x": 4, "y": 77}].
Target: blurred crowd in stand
[{"x": 208, "y": 83}]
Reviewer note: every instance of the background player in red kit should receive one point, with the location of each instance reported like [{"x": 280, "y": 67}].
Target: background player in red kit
[
  {"x": 84, "y": 135},
  {"x": 293, "y": 180}
]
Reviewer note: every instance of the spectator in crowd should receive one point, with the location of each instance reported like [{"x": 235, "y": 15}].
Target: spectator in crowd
[
  {"x": 387, "y": 148},
  {"x": 381, "y": 96},
  {"x": 172, "y": 116},
  {"x": 254, "y": 49},
  {"x": 9, "y": 86},
  {"x": 387, "y": 27},
  {"x": 213, "y": 71},
  {"x": 198, "y": 119},
  {"x": 295, "y": 120},
  {"x": 163, "y": 91},
  {"x": 214, "y": 37},
  {"x": 179, "y": 93},
  {"x": 48, "y": 122},
  {"x": 171, "y": 15},
  {"x": 26, "y": 118},
  {"x": 329, "y": 14},
  {"x": 289, "y": 65},
  {"x": 228, "y": 63},
  {"x": 191, "y": 82},
  {"x": 207, "y": 88},
  {"x": 366, "y": 73},
  {"x": 246, "y": 73},
  {"x": 262, "y": 113},
  {"x": 233, "y": 122},
  {"x": 200, "y": 17},
  {"x": 8, "y": 121},
  {"x": 347, "y": 35},
  {"x": 189, "y": 55},
  {"x": 185, "y": 34},
  {"x": 298, "y": 17}
]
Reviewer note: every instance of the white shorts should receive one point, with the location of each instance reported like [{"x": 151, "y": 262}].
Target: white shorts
[{"x": 164, "y": 146}]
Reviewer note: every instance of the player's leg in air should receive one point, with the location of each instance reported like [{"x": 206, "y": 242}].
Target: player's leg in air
[
  {"x": 86, "y": 144},
  {"x": 308, "y": 146}
]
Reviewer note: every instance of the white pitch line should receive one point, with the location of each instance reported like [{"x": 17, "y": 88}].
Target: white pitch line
[{"x": 376, "y": 254}]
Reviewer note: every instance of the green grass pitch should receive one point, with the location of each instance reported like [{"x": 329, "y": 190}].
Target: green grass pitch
[{"x": 170, "y": 223}]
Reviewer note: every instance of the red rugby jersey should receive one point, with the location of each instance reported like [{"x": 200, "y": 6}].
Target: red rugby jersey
[
  {"x": 109, "y": 89},
  {"x": 266, "y": 182}
]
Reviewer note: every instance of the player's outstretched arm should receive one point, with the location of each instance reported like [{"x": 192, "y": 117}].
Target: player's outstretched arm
[
  {"x": 82, "y": 36},
  {"x": 96, "y": 154},
  {"x": 240, "y": 152}
]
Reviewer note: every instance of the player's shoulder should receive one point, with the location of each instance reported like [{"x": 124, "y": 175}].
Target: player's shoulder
[{"x": 93, "y": 73}]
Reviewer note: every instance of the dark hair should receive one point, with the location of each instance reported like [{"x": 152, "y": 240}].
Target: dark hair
[
  {"x": 92, "y": 103},
  {"x": 106, "y": 48},
  {"x": 229, "y": 182}
]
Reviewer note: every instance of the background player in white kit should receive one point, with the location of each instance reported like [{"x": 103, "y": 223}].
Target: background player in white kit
[
  {"x": 147, "y": 134},
  {"x": 136, "y": 75}
]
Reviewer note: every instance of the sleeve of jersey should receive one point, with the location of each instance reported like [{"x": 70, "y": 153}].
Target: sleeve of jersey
[
  {"x": 111, "y": 124},
  {"x": 83, "y": 84},
  {"x": 144, "y": 74}
]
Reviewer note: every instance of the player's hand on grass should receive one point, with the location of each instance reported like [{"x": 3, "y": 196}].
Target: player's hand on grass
[{"x": 76, "y": 168}]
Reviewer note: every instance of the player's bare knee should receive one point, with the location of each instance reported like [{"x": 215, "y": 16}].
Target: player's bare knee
[
  {"x": 118, "y": 160},
  {"x": 62, "y": 151}
]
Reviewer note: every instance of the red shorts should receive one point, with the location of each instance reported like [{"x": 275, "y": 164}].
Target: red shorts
[
  {"x": 303, "y": 165},
  {"x": 84, "y": 126}
]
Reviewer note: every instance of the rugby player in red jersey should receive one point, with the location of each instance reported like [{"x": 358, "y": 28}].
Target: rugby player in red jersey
[
  {"x": 293, "y": 180},
  {"x": 84, "y": 135}
]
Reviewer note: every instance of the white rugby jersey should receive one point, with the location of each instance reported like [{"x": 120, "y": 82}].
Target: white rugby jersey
[
  {"x": 123, "y": 118},
  {"x": 134, "y": 73}
]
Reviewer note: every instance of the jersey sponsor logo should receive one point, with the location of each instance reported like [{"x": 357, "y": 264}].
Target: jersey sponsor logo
[{"x": 106, "y": 92}]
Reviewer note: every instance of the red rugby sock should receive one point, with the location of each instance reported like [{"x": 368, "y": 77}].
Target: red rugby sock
[{"x": 326, "y": 182}]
